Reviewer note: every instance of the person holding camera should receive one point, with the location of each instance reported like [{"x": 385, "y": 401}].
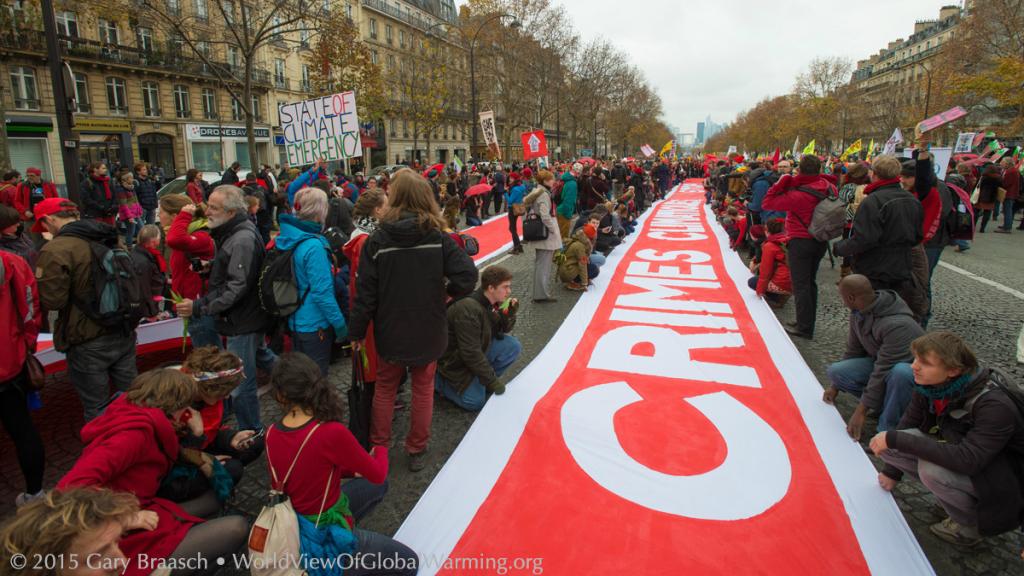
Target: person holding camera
[{"x": 192, "y": 249}]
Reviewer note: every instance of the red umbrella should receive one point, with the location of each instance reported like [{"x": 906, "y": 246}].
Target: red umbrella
[
  {"x": 437, "y": 167},
  {"x": 587, "y": 160},
  {"x": 478, "y": 189}
]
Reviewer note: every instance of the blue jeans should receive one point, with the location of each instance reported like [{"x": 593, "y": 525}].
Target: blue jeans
[
  {"x": 1008, "y": 213},
  {"x": 598, "y": 259},
  {"x": 254, "y": 353},
  {"x": 316, "y": 345},
  {"x": 131, "y": 228},
  {"x": 501, "y": 354},
  {"x": 852, "y": 376},
  {"x": 363, "y": 497},
  {"x": 203, "y": 331}
]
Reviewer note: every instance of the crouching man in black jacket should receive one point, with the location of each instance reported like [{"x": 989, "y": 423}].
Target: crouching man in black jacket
[
  {"x": 963, "y": 437},
  {"x": 480, "y": 348}
]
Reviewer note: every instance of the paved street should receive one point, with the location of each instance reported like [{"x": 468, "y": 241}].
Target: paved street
[{"x": 989, "y": 318}]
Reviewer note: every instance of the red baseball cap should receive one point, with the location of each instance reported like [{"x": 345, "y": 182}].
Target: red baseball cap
[
  {"x": 49, "y": 207},
  {"x": 34, "y": 171}
]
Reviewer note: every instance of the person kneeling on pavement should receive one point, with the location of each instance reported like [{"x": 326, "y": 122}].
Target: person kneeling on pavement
[
  {"x": 480, "y": 347},
  {"x": 876, "y": 366},
  {"x": 574, "y": 266},
  {"x": 771, "y": 278},
  {"x": 963, "y": 437}
]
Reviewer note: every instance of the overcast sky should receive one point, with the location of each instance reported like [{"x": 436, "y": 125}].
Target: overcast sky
[{"x": 720, "y": 57}]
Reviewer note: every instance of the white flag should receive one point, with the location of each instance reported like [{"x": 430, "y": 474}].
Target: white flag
[{"x": 895, "y": 140}]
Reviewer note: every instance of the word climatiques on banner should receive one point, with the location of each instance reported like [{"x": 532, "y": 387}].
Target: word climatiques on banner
[{"x": 326, "y": 127}]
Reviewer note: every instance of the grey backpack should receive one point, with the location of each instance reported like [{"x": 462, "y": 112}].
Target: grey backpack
[{"x": 829, "y": 217}]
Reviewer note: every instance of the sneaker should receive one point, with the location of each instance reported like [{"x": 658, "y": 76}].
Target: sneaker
[
  {"x": 949, "y": 531},
  {"x": 417, "y": 461},
  {"x": 25, "y": 498}
]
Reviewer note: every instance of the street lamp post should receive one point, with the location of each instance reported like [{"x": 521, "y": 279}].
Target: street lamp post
[{"x": 472, "y": 71}]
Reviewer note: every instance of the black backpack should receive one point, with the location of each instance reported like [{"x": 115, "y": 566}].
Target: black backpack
[
  {"x": 116, "y": 299},
  {"x": 278, "y": 287}
]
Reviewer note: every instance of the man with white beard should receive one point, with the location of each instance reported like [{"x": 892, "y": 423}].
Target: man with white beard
[{"x": 233, "y": 299}]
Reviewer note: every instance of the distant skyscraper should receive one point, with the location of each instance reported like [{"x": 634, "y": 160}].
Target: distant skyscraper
[{"x": 700, "y": 133}]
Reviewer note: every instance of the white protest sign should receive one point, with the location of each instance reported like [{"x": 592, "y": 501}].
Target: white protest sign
[
  {"x": 964, "y": 142},
  {"x": 940, "y": 159},
  {"x": 326, "y": 127}
]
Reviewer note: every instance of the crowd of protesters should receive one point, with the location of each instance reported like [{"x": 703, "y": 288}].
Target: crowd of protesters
[
  {"x": 164, "y": 449},
  {"x": 943, "y": 418}
]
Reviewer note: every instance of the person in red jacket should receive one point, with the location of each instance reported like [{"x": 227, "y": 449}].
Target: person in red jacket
[
  {"x": 192, "y": 249},
  {"x": 310, "y": 452},
  {"x": 130, "y": 448},
  {"x": 33, "y": 191},
  {"x": 368, "y": 209},
  {"x": 772, "y": 281},
  {"x": 19, "y": 324},
  {"x": 1011, "y": 183},
  {"x": 805, "y": 253},
  {"x": 194, "y": 186}
]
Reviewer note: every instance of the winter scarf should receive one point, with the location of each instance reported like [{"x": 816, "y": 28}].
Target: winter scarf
[
  {"x": 946, "y": 391},
  {"x": 876, "y": 185},
  {"x": 161, "y": 263}
]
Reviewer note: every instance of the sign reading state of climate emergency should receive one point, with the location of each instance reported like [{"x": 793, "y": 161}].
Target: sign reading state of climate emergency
[
  {"x": 669, "y": 427},
  {"x": 326, "y": 127}
]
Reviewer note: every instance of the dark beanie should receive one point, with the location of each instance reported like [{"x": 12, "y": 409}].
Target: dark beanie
[
  {"x": 909, "y": 168},
  {"x": 8, "y": 216}
]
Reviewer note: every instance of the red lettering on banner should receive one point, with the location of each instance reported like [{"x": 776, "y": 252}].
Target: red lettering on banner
[{"x": 669, "y": 444}]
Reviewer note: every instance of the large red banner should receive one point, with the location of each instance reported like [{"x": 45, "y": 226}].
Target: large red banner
[{"x": 660, "y": 433}]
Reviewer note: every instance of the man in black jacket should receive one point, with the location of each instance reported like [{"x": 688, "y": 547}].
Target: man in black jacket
[
  {"x": 230, "y": 175},
  {"x": 480, "y": 348},
  {"x": 919, "y": 178},
  {"x": 885, "y": 230},
  {"x": 98, "y": 198},
  {"x": 962, "y": 436},
  {"x": 233, "y": 299}
]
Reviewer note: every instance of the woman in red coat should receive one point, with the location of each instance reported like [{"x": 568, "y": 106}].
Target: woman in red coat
[
  {"x": 194, "y": 186},
  {"x": 772, "y": 281},
  {"x": 130, "y": 448},
  {"x": 192, "y": 249},
  {"x": 369, "y": 207}
]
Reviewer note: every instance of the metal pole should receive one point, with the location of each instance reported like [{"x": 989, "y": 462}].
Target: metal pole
[
  {"x": 68, "y": 142},
  {"x": 472, "y": 95}
]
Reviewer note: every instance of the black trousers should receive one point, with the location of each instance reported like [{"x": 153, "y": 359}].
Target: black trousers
[
  {"x": 513, "y": 220},
  {"x": 805, "y": 255},
  {"x": 27, "y": 443}
]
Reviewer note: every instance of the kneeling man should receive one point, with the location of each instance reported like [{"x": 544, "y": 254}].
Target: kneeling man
[{"x": 480, "y": 348}]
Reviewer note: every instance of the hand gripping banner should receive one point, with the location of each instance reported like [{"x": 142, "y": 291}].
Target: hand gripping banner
[{"x": 669, "y": 427}]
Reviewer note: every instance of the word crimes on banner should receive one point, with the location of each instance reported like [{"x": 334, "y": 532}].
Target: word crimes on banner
[{"x": 326, "y": 127}]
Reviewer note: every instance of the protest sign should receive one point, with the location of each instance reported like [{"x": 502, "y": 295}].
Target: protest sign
[
  {"x": 964, "y": 142},
  {"x": 490, "y": 132},
  {"x": 535, "y": 144},
  {"x": 647, "y": 150},
  {"x": 934, "y": 122},
  {"x": 326, "y": 127},
  {"x": 940, "y": 159},
  {"x": 895, "y": 140}
]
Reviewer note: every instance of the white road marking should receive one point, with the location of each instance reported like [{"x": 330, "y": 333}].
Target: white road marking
[
  {"x": 1015, "y": 293},
  {"x": 500, "y": 260}
]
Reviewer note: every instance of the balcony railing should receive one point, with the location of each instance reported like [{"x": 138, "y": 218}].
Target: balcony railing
[
  {"x": 170, "y": 60},
  {"x": 409, "y": 18},
  {"x": 26, "y": 104}
]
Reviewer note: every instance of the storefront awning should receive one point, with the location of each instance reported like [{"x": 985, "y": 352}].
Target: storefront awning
[{"x": 28, "y": 124}]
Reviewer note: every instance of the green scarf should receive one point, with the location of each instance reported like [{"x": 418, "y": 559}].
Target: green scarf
[
  {"x": 196, "y": 224},
  {"x": 338, "y": 514}
]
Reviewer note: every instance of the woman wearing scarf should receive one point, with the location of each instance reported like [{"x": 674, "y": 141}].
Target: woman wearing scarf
[
  {"x": 192, "y": 249},
  {"x": 129, "y": 211},
  {"x": 962, "y": 436},
  {"x": 98, "y": 199}
]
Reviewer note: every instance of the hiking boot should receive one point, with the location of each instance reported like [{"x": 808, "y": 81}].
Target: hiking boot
[
  {"x": 417, "y": 461},
  {"x": 576, "y": 287},
  {"x": 949, "y": 531},
  {"x": 517, "y": 250}
]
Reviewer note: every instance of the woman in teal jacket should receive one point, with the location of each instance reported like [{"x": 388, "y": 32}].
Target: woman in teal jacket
[{"x": 318, "y": 322}]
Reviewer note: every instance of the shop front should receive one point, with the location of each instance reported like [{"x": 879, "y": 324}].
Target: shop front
[
  {"x": 212, "y": 148},
  {"x": 104, "y": 140}
]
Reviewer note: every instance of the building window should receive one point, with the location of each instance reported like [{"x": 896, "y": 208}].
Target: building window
[
  {"x": 145, "y": 39},
  {"x": 234, "y": 57},
  {"x": 304, "y": 34},
  {"x": 182, "y": 106},
  {"x": 387, "y": 33},
  {"x": 401, "y": 38},
  {"x": 305, "y": 78},
  {"x": 373, "y": 28},
  {"x": 326, "y": 5},
  {"x": 25, "y": 152},
  {"x": 229, "y": 11},
  {"x": 256, "y": 108},
  {"x": 393, "y": 127},
  {"x": 209, "y": 104},
  {"x": 82, "y": 94},
  {"x": 391, "y": 63},
  {"x": 275, "y": 25},
  {"x": 348, "y": 10},
  {"x": 203, "y": 47},
  {"x": 207, "y": 156},
  {"x": 236, "y": 110},
  {"x": 279, "y": 72},
  {"x": 150, "y": 99},
  {"x": 373, "y": 57},
  {"x": 117, "y": 98},
  {"x": 108, "y": 31},
  {"x": 23, "y": 87},
  {"x": 174, "y": 7},
  {"x": 201, "y": 11},
  {"x": 405, "y": 128},
  {"x": 67, "y": 24}
]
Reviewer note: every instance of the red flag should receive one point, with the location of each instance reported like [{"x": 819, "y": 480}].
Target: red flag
[
  {"x": 775, "y": 158},
  {"x": 535, "y": 145}
]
